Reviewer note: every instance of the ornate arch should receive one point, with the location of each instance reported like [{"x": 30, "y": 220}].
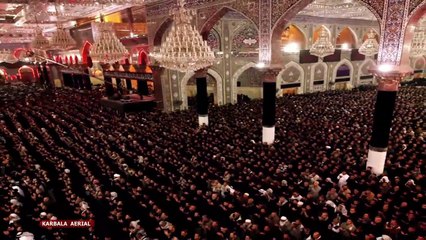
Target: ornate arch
[
  {"x": 419, "y": 59},
  {"x": 416, "y": 6},
  {"x": 189, "y": 75},
  {"x": 284, "y": 11},
  {"x": 158, "y": 36},
  {"x": 305, "y": 43},
  {"x": 354, "y": 35},
  {"x": 289, "y": 65},
  {"x": 216, "y": 16},
  {"x": 366, "y": 61},
  {"x": 213, "y": 40},
  {"x": 351, "y": 69},
  {"x": 33, "y": 73},
  {"x": 416, "y": 14},
  {"x": 85, "y": 52},
  {"x": 290, "y": 8},
  {"x": 325, "y": 74},
  {"x": 235, "y": 77},
  {"x": 143, "y": 57}
]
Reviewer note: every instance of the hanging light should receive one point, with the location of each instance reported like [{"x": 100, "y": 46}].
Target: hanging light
[
  {"x": 62, "y": 39},
  {"x": 184, "y": 49},
  {"x": 418, "y": 44},
  {"x": 322, "y": 47},
  {"x": 40, "y": 42},
  {"x": 370, "y": 46},
  {"x": 107, "y": 47}
]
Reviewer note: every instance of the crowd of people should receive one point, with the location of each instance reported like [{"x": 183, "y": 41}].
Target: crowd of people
[{"x": 160, "y": 176}]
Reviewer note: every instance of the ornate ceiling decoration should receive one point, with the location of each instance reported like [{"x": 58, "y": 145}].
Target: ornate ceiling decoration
[
  {"x": 351, "y": 9},
  {"x": 17, "y": 17}
]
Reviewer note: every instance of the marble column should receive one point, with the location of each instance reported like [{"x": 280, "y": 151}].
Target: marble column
[
  {"x": 269, "y": 97},
  {"x": 202, "y": 97},
  {"x": 388, "y": 79}
]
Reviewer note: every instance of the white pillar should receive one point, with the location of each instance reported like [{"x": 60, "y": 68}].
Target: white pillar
[
  {"x": 268, "y": 135},
  {"x": 376, "y": 160},
  {"x": 203, "y": 120}
]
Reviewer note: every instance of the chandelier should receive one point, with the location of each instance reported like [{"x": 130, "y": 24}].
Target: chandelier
[
  {"x": 370, "y": 46},
  {"x": 418, "y": 44},
  {"x": 322, "y": 47},
  {"x": 107, "y": 47},
  {"x": 40, "y": 42},
  {"x": 62, "y": 39},
  {"x": 184, "y": 49}
]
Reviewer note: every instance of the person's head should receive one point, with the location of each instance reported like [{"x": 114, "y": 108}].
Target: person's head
[
  {"x": 316, "y": 235},
  {"x": 378, "y": 220}
]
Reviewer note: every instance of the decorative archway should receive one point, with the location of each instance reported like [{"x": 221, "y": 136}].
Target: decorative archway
[
  {"x": 295, "y": 6},
  {"x": 361, "y": 77},
  {"x": 158, "y": 37},
  {"x": 293, "y": 33},
  {"x": 215, "y": 17},
  {"x": 20, "y": 53},
  {"x": 301, "y": 79},
  {"x": 214, "y": 40},
  {"x": 234, "y": 92},
  {"x": 143, "y": 58},
  {"x": 347, "y": 35},
  {"x": 419, "y": 63},
  {"x": 85, "y": 52},
  {"x": 314, "y": 73},
  {"x": 22, "y": 74},
  {"x": 419, "y": 66},
  {"x": 413, "y": 19},
  {"x": 351, "y": 70},
  {"x": 189, "y": 75}
]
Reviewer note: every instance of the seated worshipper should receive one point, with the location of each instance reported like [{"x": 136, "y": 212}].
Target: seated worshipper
[{"x": 64, "y": 156}]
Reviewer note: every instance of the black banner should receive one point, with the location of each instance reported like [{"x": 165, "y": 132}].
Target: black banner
[
  {"x": 291, "y": 85},
  {"x": 86, "y": 80},
  {"x": 143, "y": 87},
  {"x": 202, "y": 98},
  {"x": 129, "y": 75},
  {"x": 129, "y": 84},
  {"x": 383, "y": 115},
  {"x": 109, "y": 89},
  {"x": 269, "y": 92}
]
